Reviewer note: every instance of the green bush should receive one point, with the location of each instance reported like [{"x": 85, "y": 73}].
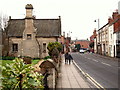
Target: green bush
[
  {"x": 7, "y": 58},
  {"x": 52, "y": 46},
  {"x": 47, "y": 57},
  {"x": 18, "y": 75}
]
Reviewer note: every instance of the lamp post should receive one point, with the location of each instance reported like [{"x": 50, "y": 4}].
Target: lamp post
[
  {"x": 96, "y": 41},
  {"x": 98, "y": 21}
]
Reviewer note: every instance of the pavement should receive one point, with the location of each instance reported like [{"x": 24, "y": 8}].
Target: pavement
[{"x": 70, "y": 77}]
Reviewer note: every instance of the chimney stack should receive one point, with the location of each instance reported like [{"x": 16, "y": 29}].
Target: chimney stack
[
  {"x": 29, "y": 9},
  {"x": 115, "y": 14}
]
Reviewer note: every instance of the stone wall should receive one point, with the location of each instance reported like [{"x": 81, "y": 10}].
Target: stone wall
[{"x": 33, "y": 48}]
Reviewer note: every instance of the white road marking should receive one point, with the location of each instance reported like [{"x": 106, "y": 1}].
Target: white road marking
[
  {"x": 88, "y": 58},
  {"x": 105, "y": 64},
  {"x": 94, "y": 60}
]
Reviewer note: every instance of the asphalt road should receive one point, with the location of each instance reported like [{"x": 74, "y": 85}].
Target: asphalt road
[{"x": 103, "y": 69}]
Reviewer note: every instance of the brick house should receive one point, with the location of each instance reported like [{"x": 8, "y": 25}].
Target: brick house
[
  {"x": 107, "y": 41},
  {"x": 83, "y": 43},
  {"x": 92, "y": 39},
  {"x": 30, "y": 36},
  {"x": 116, "y": 23},
  {"x": 114, "y": 35}
]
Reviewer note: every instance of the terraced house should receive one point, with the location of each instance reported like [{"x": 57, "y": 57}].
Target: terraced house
[
  {"x": 30, "y": 36},
  {"x": 107, "y": 41}
]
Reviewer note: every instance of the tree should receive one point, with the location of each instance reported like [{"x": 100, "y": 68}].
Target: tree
[
  {"x": 91, "y": 45},
  {"x": 54, "y": 48},
  {"x": 3, "y": 21},
  {"x": 77, "y": 46},
  {"x": 3, "y": 25}
]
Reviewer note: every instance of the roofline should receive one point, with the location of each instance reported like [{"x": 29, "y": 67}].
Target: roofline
[
  {"x": 34, "y": 19},
  {"x": 46, "y": 36},
  {"x": 46, "y": 19},
  {"x": 17, "y": 19},
  {"x": 36, "y": 36},
  {"x": 103, "y": 27}
]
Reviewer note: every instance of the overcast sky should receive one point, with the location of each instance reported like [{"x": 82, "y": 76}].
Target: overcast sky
[{"x": 77, "y": 16}]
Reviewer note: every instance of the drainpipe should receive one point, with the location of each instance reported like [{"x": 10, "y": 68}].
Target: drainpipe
[{"x": 38, "y": 44}]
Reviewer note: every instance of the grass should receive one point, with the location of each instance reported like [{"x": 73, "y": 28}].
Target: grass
[
  {"x": 10, "y": 61},
  {"x": 35, "y": 61},
  {"x": 5, "y": 61}
]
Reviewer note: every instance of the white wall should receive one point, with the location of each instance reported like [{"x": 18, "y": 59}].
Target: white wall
[{"x": 111, "y": 41}]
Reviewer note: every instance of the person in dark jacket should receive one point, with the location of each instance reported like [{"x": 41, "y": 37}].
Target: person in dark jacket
[{"x": 68, "y": 58}]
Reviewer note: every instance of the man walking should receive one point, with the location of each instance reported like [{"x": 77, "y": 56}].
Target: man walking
[{"x": 68, "y": 58}]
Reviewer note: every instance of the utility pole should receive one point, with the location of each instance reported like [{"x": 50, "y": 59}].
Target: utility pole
[{"x": 98, "y": 24}]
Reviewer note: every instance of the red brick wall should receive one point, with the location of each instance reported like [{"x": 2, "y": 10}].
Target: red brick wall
[
  {"x": 84, "y": 44},
  {"x": 115, "y": 18},
  {"x": 117, "y": 24}
]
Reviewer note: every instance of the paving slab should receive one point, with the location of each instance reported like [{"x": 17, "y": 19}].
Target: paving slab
[{"x": 70, "y": 77}]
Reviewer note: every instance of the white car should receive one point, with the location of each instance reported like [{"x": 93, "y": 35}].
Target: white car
[{"x": 82, "y": 51}]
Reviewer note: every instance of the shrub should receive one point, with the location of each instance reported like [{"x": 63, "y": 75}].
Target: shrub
[
  {"x": 7, "y": 58},
  {"x": 47, "y": 57},
  {"x": 18, "y": 75},
  {"x": 53, "y": 46}
]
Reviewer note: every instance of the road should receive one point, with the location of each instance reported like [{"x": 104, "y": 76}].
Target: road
[{"x": 103, "y": 69}]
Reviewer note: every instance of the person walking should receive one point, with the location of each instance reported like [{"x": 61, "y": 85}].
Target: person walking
[
  {"x": 70, "y": 58},
  {"x": 66, "y": 57}
]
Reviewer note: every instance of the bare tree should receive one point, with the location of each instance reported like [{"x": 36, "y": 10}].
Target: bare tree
[
  {"x": 3, "y": 21},
  {"x": 3, "y": 25}
]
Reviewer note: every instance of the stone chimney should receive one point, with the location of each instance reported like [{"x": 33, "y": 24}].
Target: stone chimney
[
  {"x": 29, "y": 43},
  {"x": 29, "y": 9},
  {"x": 29, "y": 27}
]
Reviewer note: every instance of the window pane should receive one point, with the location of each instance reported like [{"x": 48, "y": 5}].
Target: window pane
[
  {"x": 44, "y": 47},
  {"x": 15, "y": 47},
  {"x": 29, "y": 36}
]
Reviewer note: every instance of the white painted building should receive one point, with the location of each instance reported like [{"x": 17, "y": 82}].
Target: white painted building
[{"x": 111, "y": 40}]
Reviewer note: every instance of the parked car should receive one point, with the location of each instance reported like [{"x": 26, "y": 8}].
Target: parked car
[{"x": 82, "y": 51}]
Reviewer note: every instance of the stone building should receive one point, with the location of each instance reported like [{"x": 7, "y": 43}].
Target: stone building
[{"x": 30, "y": 36}]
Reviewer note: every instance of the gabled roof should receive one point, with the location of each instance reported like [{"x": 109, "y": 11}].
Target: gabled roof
[
  {"x": 15, "y": 27},
  {"x": 45, "y": 27}
]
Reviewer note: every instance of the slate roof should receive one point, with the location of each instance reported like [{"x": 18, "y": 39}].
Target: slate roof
[{"x": 45, "y": 27}]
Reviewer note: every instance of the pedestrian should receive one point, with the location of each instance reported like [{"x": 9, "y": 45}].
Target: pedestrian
[
  {"x": 66, "y": 57},
  {"x": 70, "y": 58}
]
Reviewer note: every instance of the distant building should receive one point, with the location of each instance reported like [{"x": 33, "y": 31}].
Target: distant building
[
  {"x": 93, "y": 41},
  {"x": 83, "y": 43},
  {"x": 30, "y": 36}
]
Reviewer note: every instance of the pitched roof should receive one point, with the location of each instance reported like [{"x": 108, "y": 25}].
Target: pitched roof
[{"x": 45, "y": 27}]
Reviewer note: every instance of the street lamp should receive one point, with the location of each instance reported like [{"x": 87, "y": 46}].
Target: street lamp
[
  {"x": 70, "y": 33},
  {"x": 98, "y": 23}
]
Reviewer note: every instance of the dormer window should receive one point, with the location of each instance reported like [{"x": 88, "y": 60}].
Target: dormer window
[{"x": 29, "y": 36}]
